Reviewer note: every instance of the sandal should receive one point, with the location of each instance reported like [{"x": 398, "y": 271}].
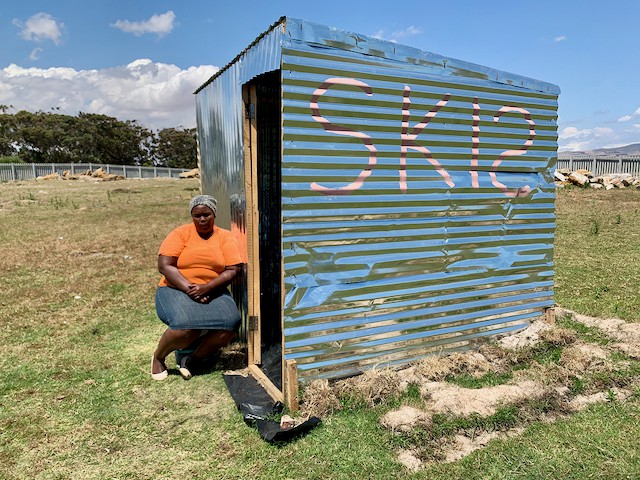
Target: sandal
[
  {"x": 158, "y": 376},
  {"x": 183, "y": 369}
]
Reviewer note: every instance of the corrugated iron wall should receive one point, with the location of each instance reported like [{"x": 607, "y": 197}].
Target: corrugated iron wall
[
  {"x": 220, "y": 113},
  {"x": 417, "y": 201}
]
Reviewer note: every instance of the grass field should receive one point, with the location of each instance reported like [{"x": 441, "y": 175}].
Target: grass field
[{"x": 77, "y": 279}]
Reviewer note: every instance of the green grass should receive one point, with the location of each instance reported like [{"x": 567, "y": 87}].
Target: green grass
[
  {"x": 597, "y": 443},
  {"x": 487, "y": 380},
  {"x": 597, "y": 252},
  {"x": 77, "y": 280},
  {"x": 586, "y": 333}
]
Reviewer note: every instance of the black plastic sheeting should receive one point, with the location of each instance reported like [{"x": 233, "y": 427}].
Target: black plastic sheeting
[
  {"x": 251, "y": 399},
  {"x": 257, "y": 406},
  {"x": 258, "y": 409}
]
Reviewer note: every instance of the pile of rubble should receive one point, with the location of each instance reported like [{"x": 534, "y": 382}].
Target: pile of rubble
[
  {"x": 98, "y": 175},
  {"x": 585, "y": 178},
  {"x": 195, "y": 173}
]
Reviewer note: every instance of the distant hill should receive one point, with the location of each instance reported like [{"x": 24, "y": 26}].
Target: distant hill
[{"x": 633, "y": 149}]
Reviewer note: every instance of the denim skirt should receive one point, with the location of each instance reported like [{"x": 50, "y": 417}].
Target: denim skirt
[{"x": 179, "y": 312}]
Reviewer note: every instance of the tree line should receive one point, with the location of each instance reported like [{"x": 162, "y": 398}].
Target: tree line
[{"x": 48, "y": 137}]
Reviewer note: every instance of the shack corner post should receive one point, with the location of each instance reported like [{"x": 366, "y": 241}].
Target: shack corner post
[{"x": 392, "y": 203}]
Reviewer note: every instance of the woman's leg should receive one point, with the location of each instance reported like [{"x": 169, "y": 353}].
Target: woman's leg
[
  {"x": 169, "y": 341},
  {"x": 211, "y": 343}
]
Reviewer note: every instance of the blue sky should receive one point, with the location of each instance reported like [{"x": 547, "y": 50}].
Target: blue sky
[{"x": 142, "y": 59}]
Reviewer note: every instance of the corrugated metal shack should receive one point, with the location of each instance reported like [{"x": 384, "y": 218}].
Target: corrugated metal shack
[{"x": 393, "y": 202}]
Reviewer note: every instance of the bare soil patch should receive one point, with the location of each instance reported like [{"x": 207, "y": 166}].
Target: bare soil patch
[
  {"x": 626, "y": 335},
  {"x": 543, "y": 373},
  {"x": 450, "y": 399}
]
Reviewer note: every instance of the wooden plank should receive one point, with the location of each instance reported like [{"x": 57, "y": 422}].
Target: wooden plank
[
  {"x": 246, "y": 141},
  {"x": 253, "y": 342},
  {"x": 550, "y": 315},
  {"x": 255, "y": 221},
  {"x": 291, "y": 385},
  {"x": 266, "y": 383}
]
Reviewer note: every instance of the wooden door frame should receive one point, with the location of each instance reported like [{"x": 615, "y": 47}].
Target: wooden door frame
[
  {"x": 250, "y": 136},
  {"x": 254, "y": 327},
  {"x": 289, "y": 393}
]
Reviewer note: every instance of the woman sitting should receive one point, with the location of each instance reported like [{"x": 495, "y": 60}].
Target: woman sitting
[{"x": 197, "y": 260}]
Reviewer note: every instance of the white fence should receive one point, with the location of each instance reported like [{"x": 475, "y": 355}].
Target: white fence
[
  {"x": 29, "y": 171},
  {"x": 601, "y": 165}
]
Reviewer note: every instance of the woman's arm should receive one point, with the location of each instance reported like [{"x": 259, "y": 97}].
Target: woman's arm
[
  {"x": 168, "y": 266},
  {"x": 201, "y": 292}
]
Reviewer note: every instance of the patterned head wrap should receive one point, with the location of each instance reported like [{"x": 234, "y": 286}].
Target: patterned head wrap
[{"x": 206, "y": 200}]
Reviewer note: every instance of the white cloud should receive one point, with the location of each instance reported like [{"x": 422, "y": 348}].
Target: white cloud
[
  {"x": 158, "y": 95},
  {"x": 601, "y": 131},
  {"x": 35, "y": 53},
  {"x": 560, "y": 38},
  {"x": 39, "y": 27},
  {"x": 573, "y": 132},
  {"x": 569, "y": 132},
  {"x": 160, "y": 24},
  {"x": 398, "y": 34},
  {"x": 571, "y": 138},
  {"x": 407, "y": 32},
  {"x": 626, "y": 118}
]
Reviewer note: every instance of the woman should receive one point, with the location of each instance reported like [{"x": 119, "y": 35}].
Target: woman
[{"x": 197, "y": 262}]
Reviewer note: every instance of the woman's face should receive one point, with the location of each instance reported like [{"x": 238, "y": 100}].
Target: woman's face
[{"x": 203, "y": 219}]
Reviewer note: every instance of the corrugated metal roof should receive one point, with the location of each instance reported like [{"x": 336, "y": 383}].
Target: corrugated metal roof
[{"x": 243, "y": 54}]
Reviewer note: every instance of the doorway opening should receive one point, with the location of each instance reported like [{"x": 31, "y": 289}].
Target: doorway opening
[{"x": 263, "y": 147}]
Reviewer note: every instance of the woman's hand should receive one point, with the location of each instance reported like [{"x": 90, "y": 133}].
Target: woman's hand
[
  {"x": 199, "y": 293},
  {"x": 202, "y": 293}
]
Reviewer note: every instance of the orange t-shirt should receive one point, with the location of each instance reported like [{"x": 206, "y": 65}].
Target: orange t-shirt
[{"x": 199, "y": 260}]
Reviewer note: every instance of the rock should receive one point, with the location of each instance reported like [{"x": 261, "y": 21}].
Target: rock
[
  {"x": 287, "y": 422},
  {"x": 578, "y": 179},
  {"x": 111, "y": 177},
  {"x": 195, "y": 173},
  {"x": 559, "y": 176},
  {"x": 609, "y": 186},
  {"x": 99, "y": 173},
  {"x": 628, "y": 181},
  {"x": 51, "y": 176},
  {"x": 596, "y": 186},
  {"x": 586, "y": 173},
  {"x": 564, "y": 171}
]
